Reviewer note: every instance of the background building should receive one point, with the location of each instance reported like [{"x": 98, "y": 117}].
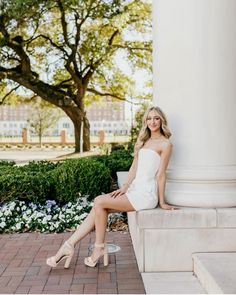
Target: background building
[
  {"x": 105, "y": 115},
  {"x": 13, "y": 119},
  {"x": 108, "y": 116}
]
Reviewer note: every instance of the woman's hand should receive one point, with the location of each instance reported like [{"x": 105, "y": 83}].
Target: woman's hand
[
  {"x": 166, "y": 206},
  {"x": 119, "y": 192}
]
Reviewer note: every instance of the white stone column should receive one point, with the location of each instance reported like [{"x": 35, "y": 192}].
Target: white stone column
[{"x": 195, "y": 85}]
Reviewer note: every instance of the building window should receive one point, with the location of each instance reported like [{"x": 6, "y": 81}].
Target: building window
[{"x": 66, "y": 125}]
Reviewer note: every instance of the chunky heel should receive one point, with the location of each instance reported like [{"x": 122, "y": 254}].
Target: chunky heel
[
  {"x": 68, "y": 261},
  {"x": 65, "y": 252},
  {"x": 89, "y": 261},
  {"x": 105, "y": 259}
]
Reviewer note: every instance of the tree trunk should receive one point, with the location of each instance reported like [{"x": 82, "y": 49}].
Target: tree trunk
[
  {"x": 86, "y": 134},
  {"x": 76, "y": 115},
  {"x": 40, "y": 140}
]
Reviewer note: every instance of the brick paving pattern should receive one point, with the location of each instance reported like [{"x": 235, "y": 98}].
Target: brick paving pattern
[{"x": 23, "y": 268}]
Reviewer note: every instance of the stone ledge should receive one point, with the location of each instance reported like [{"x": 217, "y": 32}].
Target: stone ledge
[
  {"x": 183, "y": 218},
  {"x": 216, "y": 271},
  {"x": 171, "y": 283},
  {"x": 186, "y": 217},
  {"x": 226, "y": 217}
]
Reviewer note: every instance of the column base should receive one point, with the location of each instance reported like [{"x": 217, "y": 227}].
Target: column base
[{"x": 209, "y": 187}]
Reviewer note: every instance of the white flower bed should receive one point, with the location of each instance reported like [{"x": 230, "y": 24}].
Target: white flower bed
[{"x": 17, "y": 216}]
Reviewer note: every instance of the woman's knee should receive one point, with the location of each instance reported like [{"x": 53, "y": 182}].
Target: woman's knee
[{"x": 97, "y": 204}]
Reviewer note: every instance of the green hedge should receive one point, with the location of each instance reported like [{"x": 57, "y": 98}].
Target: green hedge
[
  {"x": 62, "y": 182},
  {"x": 35, "y": 167},
  {"x": 30, "y": 182},
  {"x": 6, "y": 163},
  {"x": 118, "y": 160},
  {"x": 22, "y": 185},
  {"x": 80, "y": 176}
]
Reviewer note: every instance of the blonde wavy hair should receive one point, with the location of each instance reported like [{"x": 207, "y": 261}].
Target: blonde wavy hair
[{"x": 145, "y": 132}]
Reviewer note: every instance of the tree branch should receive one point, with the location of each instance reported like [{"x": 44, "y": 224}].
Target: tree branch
[
  {"x": 91, "y": 69},
  {"x": 16, "y": 46},
  {"x": 112, "y": 37},
  {"x": 79, "y": 25},
  {"x": 108, "y": 94},
  {"x": 35, "y": 30},
  {"x": 131, "y": 48},
  {"x": 63, "y": 23},
  {"x": 2, "y": 27},
  {"x": 5, "y": 53},
  {"x": 74, "y": 72},
  {"x": 5, "y": 96},
  {"x": 94, "y": 65},
  {"x": 53, "y": 94},
  {"x": 63, "y": 82},
  {"x": 70, "y": 58},
  {"x": 71, "y": 71},
  {"x": 61, "y": 48}
]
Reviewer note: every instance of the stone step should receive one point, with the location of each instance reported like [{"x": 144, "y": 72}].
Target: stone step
[
  {"x": 164, "y": 240},
  {"x": 171, "y": 283},
  {"x": 216, "y": 271}
]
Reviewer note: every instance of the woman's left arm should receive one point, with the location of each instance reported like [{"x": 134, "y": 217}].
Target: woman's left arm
[{"x": 161, "y": 175}]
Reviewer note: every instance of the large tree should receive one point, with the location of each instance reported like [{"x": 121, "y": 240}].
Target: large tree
[{"x": 65, "y": 51}]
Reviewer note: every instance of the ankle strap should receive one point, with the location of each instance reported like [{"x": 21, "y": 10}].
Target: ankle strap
[
  {"x": 100, "y": 245},
  {"x": 68, "y": 244}
]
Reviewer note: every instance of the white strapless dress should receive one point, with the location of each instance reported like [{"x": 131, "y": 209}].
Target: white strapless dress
[{"x": 142, "y": 192}]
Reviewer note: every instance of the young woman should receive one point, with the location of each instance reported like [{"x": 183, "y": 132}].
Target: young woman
[{"x": 144, "y": 189}]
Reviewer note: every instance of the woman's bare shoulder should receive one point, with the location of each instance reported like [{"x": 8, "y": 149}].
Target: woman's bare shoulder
[{"x": 166, "y": 144}]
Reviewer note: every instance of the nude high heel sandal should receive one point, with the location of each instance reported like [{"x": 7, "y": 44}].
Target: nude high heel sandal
[
  {"x": 92, "y": 263},
  {"x": 65, "y": 252}
]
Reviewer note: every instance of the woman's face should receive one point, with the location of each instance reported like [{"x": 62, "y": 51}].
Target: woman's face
[{"x": 153, "y": 121}]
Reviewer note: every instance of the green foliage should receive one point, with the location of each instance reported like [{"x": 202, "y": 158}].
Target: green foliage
[
  {"x": 23, "y": 185},
  {"x": 137, "y": 124},
  {"x": 116, "y": 146},
  {"x": 80, "y": 176},
  {"x": 118, "y": 160},
  {"x": 68, "y": 52},
  {"x": 63, "y": 182},
  {"x": 35, "y": 167},
  {"x": 6, "y": 163},
  {"x": 85, "y": 36}
]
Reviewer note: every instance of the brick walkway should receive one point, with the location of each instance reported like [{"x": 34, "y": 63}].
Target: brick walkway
[{"x": 23, "y": 268}]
